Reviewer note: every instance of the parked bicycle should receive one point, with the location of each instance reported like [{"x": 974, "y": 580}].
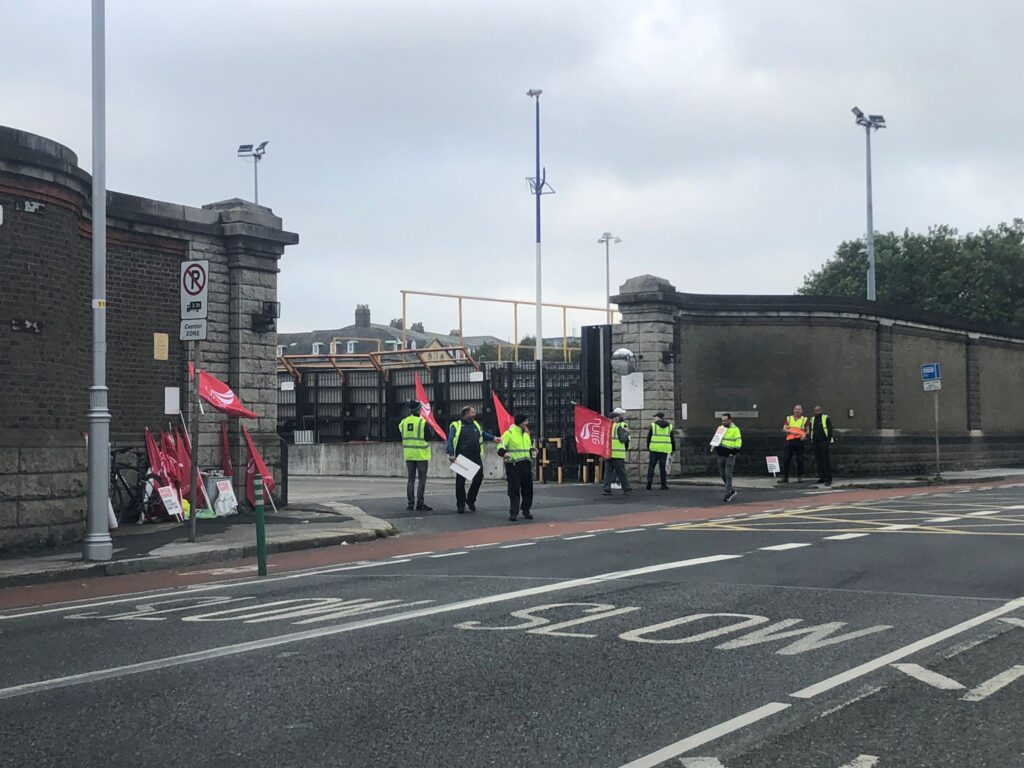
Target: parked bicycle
[{"x": 133, "y": 487}]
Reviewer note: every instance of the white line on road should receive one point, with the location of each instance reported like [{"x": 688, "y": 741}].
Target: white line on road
[
  {"x": 845, "y": 536},
  {"x": 994, "y": 684},
  {"x": 477, "y": 546},
  {"x": 710, "y": 734},
  {"x": 449, "y": 554},
  {"x": 631, "y": 530},
  {"x": 413, "y": 554},
  {"x": 901, "y": 653},
  {"x": 599, "y": 530},
  {"x": 652, "y": 525},
  {"x": 294, "y": 637},
  {"x": 584, "y": 536},
  {"x": 897, "y": 527},
  {"x": 702, "y": 762},
  {"x": 523, "y": 544},
  {"x": 783, "y": 547},
  {"x": 926, "y": 676},
  {"x": 983, "y": 512},
  {"x": 942, "y": 519}
]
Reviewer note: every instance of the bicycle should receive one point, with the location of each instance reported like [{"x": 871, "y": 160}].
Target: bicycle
[{"x": 133, "y": 487}]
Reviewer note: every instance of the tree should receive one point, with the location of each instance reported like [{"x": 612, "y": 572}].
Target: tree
[
  {"x": 527, "y": 350},
  {"x": 486, "y": 351},
  {"x": 979, "y": 276}
]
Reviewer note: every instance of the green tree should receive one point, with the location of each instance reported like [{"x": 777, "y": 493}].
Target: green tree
[
  {"x": 527, "y": 350},
  {"x": 486, "y": 351},
  {"x": 979, "y": 276}
]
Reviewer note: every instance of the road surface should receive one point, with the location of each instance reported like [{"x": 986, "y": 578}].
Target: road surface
[{"x": 842, "y": 630}]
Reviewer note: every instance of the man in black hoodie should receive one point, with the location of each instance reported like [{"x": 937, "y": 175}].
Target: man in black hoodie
[{"x": 661, "y": 443}]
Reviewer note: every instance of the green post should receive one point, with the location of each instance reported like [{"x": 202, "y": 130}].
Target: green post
[{"x": 261, "y": 534}]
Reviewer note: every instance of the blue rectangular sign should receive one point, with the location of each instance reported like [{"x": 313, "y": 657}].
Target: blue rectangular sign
[{"x": 931, "y": 372}]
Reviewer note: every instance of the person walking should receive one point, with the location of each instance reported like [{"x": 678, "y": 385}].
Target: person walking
[
  {"x": 661, "y": 443},
  {"x": 821, "y": 440},
  {"x": 517, "y": 450},
  {"x": 726, "y": 450},
  {"x": 466, "y": 438},
  {"x": 795, "y": 429},
  {"x": 417, "y": 455},
  {"x": 615, "y": 467}
]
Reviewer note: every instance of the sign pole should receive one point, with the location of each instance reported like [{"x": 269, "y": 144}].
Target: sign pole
[
  {"x": 938, "y": 473},
  {"x": 197, "y": 475}
]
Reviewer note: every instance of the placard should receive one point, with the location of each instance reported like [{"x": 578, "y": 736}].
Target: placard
[
  {"x": 172, "y": 401},
  {"x": 717, "y": 439},
  {"x": 170, "y": 501},
  {"x": 773, "y": 464},
  {"x": 465, "y": 467}
]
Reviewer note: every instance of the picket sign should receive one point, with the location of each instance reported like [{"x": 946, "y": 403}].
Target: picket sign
[
  {"x": 717, "y": 439},
  {"x": 773, "y": 464}
]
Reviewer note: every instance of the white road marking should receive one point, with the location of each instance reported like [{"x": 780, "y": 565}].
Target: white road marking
[
  {"x": 942, "y": 519},
  {"x": 772, "y": 511},
  {"x": 584, "y": 536},
  {"x": 522, "y": 544},
  {"x": 897, "y": 527},
  {"x": 1016, "y": 506},
  {"x": 862, "y": 761},
  {"x": 782, "y": 547},
  {"x": 599, "y": 530},
  {"x": 926, "y": 676},
  {"x": 994, "y": 684},
  {"x": 705, "y": 736},
  {"x": 449, "y": 554},
  {"x": 900, "y": 653},
  {"x": 984, "y": 512},
  {"x": 845, "y": 536},
  {"x": 760, "y": 514},
  {"x": 652, "y": 525},
  {"x": 477, "y": 546},
  {"x": 85, "y": 605},
  {"x": 413, "y": 554},
  {"x": 702, "y": 762},
  {"x": 310, "y": 634},
  {"x": 631, "y": 530},
  {"x": 1015, "y": 622}
]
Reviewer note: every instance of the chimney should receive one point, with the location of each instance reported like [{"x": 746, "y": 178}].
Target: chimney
[{"x": 362, "y": 315}]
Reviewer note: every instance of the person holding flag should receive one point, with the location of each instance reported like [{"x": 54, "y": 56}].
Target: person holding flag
[
  {"x": 518, "y": 451},
  {"x": 466, "y": 438},
  {"x": 417, "y": 455},
  {"x": 795, "y": 429}
]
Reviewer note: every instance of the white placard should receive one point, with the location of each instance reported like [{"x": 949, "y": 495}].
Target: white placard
[
  {"x": 773, "y": 464},
  {"x": 172, "y": 401},
  {"x": 633, "y": 391},
  {"x": 476, "y": 375},
  {"x": 288, "y": 386},
  {"x": 170, "y": 500},
  {"x": 465, "y": 467},
  {"x": 717, "y": 439},
  {"x": 682, "y": 411},
  {"x": 227, "y": 502}
]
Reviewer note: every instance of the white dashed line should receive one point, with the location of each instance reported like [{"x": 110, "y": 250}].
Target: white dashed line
[
  {"x": 845, "y": 536},
  {"x": 942, "y": 519},
  {"x": 599, "y": 530},
  {"x": 523, "y": 544},
  {"x": 449, "y": 554},
  {"x": 781, "y": 547},
  {"x": 985, "y": 512},
  {"x": 584, "y": 536},
  {"x": 898, "y": 527},
  {"x": 477, "y": 546},
  {"x": 630, "y": 530},
  {"x": 414, "y": 554}
]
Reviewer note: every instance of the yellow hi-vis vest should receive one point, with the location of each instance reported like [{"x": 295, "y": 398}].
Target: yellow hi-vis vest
[
  {"x": 517, "y": 444},
  {"x": 618, "y": 447},
  {"x": 414, "y": 441},
  {"x": 458, "y": 431},
  {"x": 661, "y": 439},
  {"x": 732, "y": 438},
  {"x": 792, "y": 422}
]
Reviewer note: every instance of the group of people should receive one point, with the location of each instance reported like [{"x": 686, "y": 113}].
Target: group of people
[{"x": 466, "y": 438}]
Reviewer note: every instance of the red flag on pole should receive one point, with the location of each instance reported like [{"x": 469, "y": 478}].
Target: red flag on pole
[
  {"x": 425, "y": 411},
  {"x": 171, "y": 460},
  {"x": 255, "y": 465},
  {"x": 593, "y": 432},
  {"x": 156, "y": 460},
  {"x": 504, "y": 420},
  {"x": 220, "y": 395},
  {"x": 225, "y": 451},
  {"x": 185, "y": 459}
]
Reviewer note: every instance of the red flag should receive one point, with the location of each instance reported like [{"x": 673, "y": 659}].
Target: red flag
[
  {"x": 255, "y": 465},
  {"x": 593, "y": 432},
  {"x": 219, "y": 395},
  {"x": 504, "y": 420},
  {"x": 171, "y": 461},
  {"x": 184, "y": 446},
  {"x": 156, "y": 460},
  {"x": 225, "y": 451},
  {"x": 425, "y": 412}
]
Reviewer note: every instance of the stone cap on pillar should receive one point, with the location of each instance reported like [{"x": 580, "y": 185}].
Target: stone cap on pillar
[{"x": 645, "y": 288}]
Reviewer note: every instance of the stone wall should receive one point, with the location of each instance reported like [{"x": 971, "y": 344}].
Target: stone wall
[
  {"x": 45, "y": 266},
  {"x": 757, "y": 356}
]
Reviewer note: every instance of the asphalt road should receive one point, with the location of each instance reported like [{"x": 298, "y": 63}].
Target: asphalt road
[{"x": 831, "y": 631}]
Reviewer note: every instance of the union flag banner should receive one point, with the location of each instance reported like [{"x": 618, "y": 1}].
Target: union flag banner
[
  {"x": 254, "y": 465},
  {"x": 220, "y": 395},
  {"x": 504, "y": 419},
  {"x": 593, "y": 432},
  {"x": 425, "y": 411}
]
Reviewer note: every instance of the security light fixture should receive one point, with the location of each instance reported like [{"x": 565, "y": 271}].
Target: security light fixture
[
  {"x": 869, "y": 122},
  {"x": 256, "y": 153}
]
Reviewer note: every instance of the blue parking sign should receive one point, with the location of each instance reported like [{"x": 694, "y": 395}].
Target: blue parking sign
[{"x": 931, "y": 372}]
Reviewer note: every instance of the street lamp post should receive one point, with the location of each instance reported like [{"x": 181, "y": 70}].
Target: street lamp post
[
  {"x": 869, "y": 122},
  {"x": 608, "y": 238},
  {"x": 256, "y": 153},
  {"x": 538, "y": 187},
  {"x": 98, "y": 544}
]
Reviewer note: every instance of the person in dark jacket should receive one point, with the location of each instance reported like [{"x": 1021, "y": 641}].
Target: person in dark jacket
[
  {"x": 661, "y": 444},
  {"x": 615, "y": 466},
  {"x": 821, "y": 440},
  {"x": 466, "y": 438}
]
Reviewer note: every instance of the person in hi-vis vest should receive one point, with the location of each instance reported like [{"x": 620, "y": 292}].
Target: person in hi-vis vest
[
  {"x": 413, "y": 429},
  {"x": 615, "y": 467},
  {"x": 795, "y": 429},
  {"x": 661, "y": 443}
]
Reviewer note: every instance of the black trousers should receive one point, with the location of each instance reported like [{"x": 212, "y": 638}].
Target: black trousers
[
  {"x": 461, "y": 497},
  {"x": 656, "y": 459},
  {"x": 520, "y": 487},
  {"x": 416, "y": 468},
  {"x": 824, "y": 461},
  {"x": 793, "y": 448}
]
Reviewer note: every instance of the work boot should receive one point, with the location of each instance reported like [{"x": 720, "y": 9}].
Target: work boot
[
  {"x": 664, "y": 486},
  {"x": 421, "y": 507},
  {"x": 606, "y": 492},
  {"x": 411, "y": 506},
  {"x": 527, "y": 515},
  {"x": 471, "y": 505},
  {"x": 512, "y": 518},
  {"x": 730, "y": 495},
  {"x": 460, "y": 510},
  {"x": 782, "y": 480}
]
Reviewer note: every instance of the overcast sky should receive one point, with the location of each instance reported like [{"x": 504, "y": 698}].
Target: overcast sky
[{"x": 714, "y": 137}]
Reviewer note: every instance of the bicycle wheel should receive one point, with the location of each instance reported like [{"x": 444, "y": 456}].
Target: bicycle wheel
[{"x": 121, "y": 500}]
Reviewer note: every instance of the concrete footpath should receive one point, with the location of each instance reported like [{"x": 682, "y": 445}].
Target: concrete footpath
[{"x": 156, "y": 546}]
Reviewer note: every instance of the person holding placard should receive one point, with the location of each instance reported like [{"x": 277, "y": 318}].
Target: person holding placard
[
  {"x": 466, "y": 438},
  {"x": 726, "y": 444},
  {"x": 795, "y": 429}
]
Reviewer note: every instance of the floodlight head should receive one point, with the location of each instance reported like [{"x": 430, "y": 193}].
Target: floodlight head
[
  {"x": 534, "y": 92},
  {"x": 878, "y": 121},
  {"x": 262, "y": 147},
  {"x": 244, "y": 150},
  {"x": 857, "y": 113}
]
